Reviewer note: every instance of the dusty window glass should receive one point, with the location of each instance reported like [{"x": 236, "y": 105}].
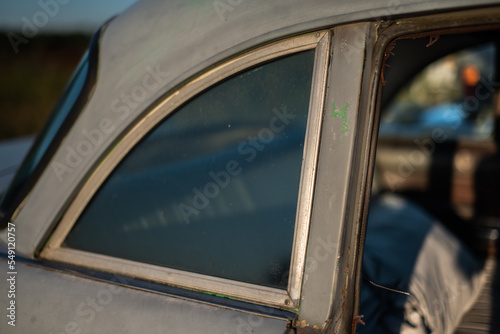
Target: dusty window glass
[{"x": 212, "y": 189}]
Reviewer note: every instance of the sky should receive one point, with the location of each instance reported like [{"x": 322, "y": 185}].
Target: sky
[{"x": 59, "y": 15}]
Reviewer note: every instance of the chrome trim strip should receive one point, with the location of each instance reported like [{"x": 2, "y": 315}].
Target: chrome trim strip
[
  {"x": 308, "y": 173},
  {"x": 174, "y": 277},
  {"x": 327, "y": 267},
  {"x": 289, "y": 299}
]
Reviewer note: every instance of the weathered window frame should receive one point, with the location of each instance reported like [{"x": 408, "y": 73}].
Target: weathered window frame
[{"x": 289, "y": 299}]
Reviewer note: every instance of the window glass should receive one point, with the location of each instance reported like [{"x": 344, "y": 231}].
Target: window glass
[{"x": 213, "y": 189}]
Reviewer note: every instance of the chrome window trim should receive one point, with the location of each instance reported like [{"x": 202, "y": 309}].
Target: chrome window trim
[
  {"x": 308, "y": 172},
  {"x": 289, "y": 298},
  {"x": 326, "y": 296}
]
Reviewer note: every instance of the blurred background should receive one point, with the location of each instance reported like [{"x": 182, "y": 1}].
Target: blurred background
[{"x": 41, "y": 44}]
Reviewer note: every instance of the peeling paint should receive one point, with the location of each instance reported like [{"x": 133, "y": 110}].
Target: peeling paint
[
  {"x": 433, "y": 39},
  {"x": 388, "y": 52},
  {"x": 304, "y": 328},
  {"x": 302, "y": 324}
]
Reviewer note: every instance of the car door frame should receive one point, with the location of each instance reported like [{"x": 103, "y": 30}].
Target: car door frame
[
  {"x": 345, "y": 303},
  {"x": 54, "y": 250}
]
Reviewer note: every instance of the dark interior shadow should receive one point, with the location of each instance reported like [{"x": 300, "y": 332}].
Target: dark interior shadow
[
  {"x": 404, "y": 284},
  {"x": 392, "y": 250},
  {"x": 487, "y": 215},
  {"x": 495, "y": 295}
]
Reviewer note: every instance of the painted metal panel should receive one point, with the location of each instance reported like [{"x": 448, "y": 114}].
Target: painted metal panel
[
  {"x": 334, "y": 167},
  {"x": 50, "y": 301}
]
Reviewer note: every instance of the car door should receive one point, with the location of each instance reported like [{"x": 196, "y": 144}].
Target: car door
[
  {"x": 159, "y": 183},
  {"x": 196, "y": 220}
]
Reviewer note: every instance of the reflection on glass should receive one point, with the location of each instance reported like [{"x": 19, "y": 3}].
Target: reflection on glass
[{"x": 213, "y": 189}]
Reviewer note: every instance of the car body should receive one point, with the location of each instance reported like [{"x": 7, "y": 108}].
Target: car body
[{"x": 156, "y": 59}]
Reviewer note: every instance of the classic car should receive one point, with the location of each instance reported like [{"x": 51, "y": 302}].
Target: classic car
[{"x": 277, "y": 166}]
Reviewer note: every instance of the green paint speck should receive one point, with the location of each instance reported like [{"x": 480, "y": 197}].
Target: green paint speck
[
  {"x": 217, "y": 295},
  {"x": 341, "y": 113}
]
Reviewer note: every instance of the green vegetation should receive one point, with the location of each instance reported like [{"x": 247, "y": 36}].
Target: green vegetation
[{"x": 33, "y": 79}]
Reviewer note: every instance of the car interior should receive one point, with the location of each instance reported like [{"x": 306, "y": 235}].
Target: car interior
[{"x": 432, "y": 231}]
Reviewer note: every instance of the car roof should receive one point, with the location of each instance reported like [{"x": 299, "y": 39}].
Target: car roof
[{"x": 182, "y": 37}]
